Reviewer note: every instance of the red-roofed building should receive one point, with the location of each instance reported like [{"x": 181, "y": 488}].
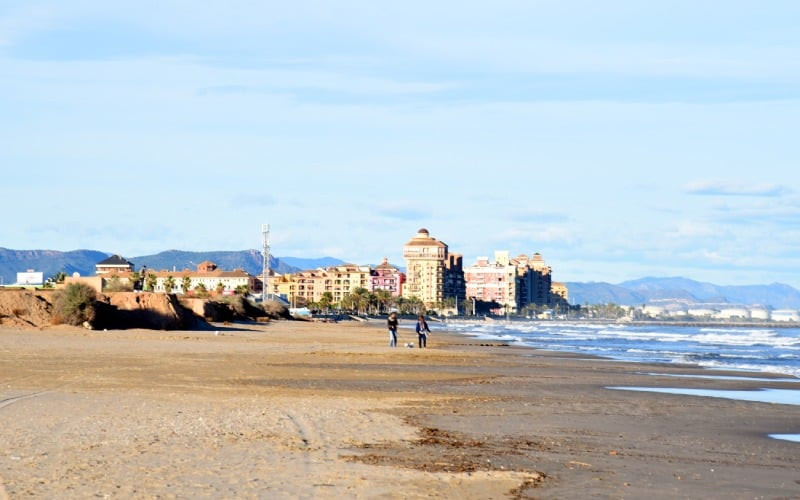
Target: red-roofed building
[{"x": 387, "y": 277}]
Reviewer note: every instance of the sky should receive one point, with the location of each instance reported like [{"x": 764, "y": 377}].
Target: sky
[{"x": 620, "y": 139}]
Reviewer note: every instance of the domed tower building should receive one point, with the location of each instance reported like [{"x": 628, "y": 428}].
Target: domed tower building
[{"x": 425, "y": 258}]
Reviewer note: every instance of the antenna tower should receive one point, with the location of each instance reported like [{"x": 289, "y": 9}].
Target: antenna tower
[{"x": 265, "y": 267}]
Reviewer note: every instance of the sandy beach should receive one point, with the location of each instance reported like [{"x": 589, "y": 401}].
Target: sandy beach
[{"x": 315, "y": 410}]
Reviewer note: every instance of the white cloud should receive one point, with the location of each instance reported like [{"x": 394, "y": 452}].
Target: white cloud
[{"x": 734, "y": 188}]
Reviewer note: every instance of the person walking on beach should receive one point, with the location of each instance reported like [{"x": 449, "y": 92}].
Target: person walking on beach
[
  {"x": 391, "y": 323},
  {"x": 422, "y": 331}
]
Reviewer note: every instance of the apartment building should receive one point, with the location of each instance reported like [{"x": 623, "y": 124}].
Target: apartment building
[
  {"x": 559, "y": 292},
  {"x": 306, "y": 287},
  {"x": 514, "y": 283},
  {"x": 454, "y": 285},
  {"x": 426, "y": 266},
  {"x": 535, "y": 278},
  {"x": 207, "y": 274},
  {"x": 494, "y": 282},
  {"x": 387, "y": 277}
]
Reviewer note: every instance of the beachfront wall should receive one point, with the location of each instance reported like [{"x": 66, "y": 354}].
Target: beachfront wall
[{"x": 95, "y": 282}]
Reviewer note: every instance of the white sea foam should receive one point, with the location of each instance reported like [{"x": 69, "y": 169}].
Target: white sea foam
[
  {"x": 748, "y": 367},
  {"x": 722, "y": 377},
  {"x": 750, "y": 349},
  {"x": 775, "y": 396}
]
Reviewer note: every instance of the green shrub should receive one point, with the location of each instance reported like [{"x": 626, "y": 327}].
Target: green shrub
[{"x": 75, "y": 304}]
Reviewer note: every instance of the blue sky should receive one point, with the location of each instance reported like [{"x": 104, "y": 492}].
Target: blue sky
[{"x": 619, "y": 139}]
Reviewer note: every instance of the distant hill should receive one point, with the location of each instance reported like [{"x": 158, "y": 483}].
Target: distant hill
[
  {"x": 49, "y": 262},
  {"x": 306, "y": 264},
  {"x": 249, "y": 260},
  {"x": 602, "y": 293},
  {"x": 83, "y": 262},
  {"x": 649, "y": 290}
]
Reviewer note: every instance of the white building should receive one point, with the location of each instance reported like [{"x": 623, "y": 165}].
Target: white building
[
  {"x": 30, "y": 278},
  {"x": 701, "y": 312},
  {"x": 653, "y": 311},
  {"x": 733, "y": 313},
  {"x": 785, "y": 315},
  {"x": 208, "y": 275}
]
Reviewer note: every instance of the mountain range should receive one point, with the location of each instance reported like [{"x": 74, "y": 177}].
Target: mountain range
[
  {"x": 51, "y": 262},
  {"x": 654, "y": 290},
  {"x": 636, "y": 292}
]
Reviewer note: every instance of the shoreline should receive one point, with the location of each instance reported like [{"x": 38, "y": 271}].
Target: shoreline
[
  {"x": 677, "y": 323},
  {"x": 291, "y": 409}
]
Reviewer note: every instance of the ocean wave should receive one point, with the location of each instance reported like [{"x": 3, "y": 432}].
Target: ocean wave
[
  {"x": 759, "y": 349},
  {"x": 748, "y": 367}
]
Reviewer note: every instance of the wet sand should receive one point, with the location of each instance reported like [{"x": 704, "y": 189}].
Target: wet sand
[{"x": 314, "y": 410}]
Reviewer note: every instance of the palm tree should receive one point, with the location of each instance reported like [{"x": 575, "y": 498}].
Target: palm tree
[
  {"x": 360, "y": 298},
  {"x": 347, "y": 302},
  {"x": 169, "y": 284},
  {"x": 413, "y": 305},
  {"x": 383, "y": 297},
  {"x": 220, "y": 287},
  {"x": 200, "y": 290},
  {"x": 186, "y": 284},
  {"x": 325, "y": 301},
  {"x": 151, "y": 282}
]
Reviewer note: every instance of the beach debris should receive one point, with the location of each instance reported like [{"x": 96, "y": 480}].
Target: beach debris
[{"x": 576, "y": 463}]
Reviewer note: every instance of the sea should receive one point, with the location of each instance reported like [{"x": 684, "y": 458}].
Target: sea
[
  {"x": 754, "y": 349},
  {"x": 750, "y": 350}
]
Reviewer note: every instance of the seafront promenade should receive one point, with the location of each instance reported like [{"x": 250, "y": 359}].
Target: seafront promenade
[{"x": 300, "y": 409}]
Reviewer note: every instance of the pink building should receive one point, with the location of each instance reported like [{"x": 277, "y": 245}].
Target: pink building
[
  {"x": 387, "y": 277},
  {"x": 493, "y": 282}
]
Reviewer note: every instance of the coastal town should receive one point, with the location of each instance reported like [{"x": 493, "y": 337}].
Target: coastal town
[{"x": 433, "y": 280}]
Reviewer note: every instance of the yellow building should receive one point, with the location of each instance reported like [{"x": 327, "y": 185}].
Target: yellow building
[
  {"x": 305, "y": 287},
  {"x": 426, "y": 260},
  {"x": 560, "y": 289}
]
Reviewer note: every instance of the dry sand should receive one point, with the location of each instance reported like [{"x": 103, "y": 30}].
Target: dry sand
[{"x": 305, "y": 410}]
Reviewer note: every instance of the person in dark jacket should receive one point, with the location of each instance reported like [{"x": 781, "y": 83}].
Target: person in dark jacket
[
  {"x": 422, "y": 331},
  {"x": 391, "y": 323}
]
